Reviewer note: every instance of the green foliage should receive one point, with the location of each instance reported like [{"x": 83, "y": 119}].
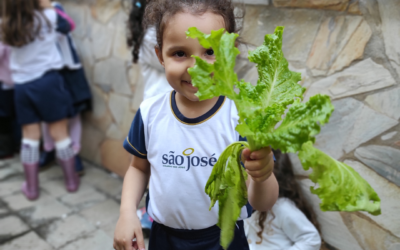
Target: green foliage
[{"x": 271, "y": 114}]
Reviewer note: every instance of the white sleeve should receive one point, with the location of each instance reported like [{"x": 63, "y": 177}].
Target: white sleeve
[
  {"x": 298, "y": 228},
  {"x": 147, "y": 54}
]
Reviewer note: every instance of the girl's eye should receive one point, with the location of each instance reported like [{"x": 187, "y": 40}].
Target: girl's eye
[
  {"x": 180, "y": 54},
  {"x": 210, "y": 52}
]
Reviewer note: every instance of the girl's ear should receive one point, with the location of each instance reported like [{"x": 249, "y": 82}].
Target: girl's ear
[{"x": 159, "y": 55}]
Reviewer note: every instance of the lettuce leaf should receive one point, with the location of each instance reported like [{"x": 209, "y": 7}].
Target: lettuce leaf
[
  {"x": 227, "y": 184},
  {"x": 272, "y": 114},
  {"x": 341, "y": 188}
]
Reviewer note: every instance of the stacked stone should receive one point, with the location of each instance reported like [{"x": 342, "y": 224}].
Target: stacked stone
[
  {"x": 347, "y": 49},
  {"x": 116, "y": 84}
]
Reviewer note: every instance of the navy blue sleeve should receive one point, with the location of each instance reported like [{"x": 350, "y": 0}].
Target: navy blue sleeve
[
  {"x": 134, "y": 142},
  {"x": 63, "y": 25}
]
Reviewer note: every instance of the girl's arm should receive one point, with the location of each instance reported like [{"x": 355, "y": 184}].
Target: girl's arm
[
  {"x": 128, "y": 225},
  {"x": 65, "y": 24},
  {"x": 262, "y": 186},
  {"x": 135, "y": 183}
]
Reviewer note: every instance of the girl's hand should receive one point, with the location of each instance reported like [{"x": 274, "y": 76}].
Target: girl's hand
[
  {"x": 259, "y": 164},
  {"x": 46, "y": 4},
  {"x": 128, "y": 228}
]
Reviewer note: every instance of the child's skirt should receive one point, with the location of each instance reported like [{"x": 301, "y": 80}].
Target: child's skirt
[
  {"x": 78, "y": 87},
  {"x": 166, "y": 238},
  {"x": 6, "y": 102},
  {"x": 44, "y": 99}
]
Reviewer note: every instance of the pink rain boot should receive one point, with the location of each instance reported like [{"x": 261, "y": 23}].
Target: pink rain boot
[
  {"x": 70, "y": 176},
  {"x": 30, "y": 187}
]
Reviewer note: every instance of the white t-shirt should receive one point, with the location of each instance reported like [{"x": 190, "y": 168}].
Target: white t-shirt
[
  {"x": 31, "y": 61},
  {"x": 289, "y": 230},
  {"x": 153, "y": 72},
  {"x": 182, "y": 153}
]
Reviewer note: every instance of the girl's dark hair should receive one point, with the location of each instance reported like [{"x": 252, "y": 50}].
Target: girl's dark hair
[
  {"x": 20, "y": 23},
  {"x": 288, "y": 188},
  {"x": 135, "y": 27},
  {"x": 158, "y": 12}
]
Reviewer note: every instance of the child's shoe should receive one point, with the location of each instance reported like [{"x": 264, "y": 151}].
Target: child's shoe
[
  {"x": 30, "y": 187},
  {"x": 70, "y": 176}
]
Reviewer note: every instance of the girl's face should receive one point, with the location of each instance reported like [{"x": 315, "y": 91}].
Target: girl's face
[{"x": 177, "y": 50}]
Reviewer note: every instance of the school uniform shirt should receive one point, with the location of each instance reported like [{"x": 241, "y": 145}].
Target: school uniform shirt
[
  {"x": 289, "y": 229},
  {"x": 5, "y": 73},
  {"x": 66, "y": 45},
  {"x": 182, "y": 153},
  {"x": 32, "y": 60},
  {"x": 153, "y": 72}
]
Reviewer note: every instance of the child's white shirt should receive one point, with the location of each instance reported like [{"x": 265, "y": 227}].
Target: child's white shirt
[
  {"x": 32, "y": 60},
  {"x": 289, "y": 230},
  {"x": 182, "y": 156}
]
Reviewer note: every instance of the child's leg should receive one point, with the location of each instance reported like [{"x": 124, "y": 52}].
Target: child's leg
[
  {"x": 65, "y": 153},
  {"x": 75, "y": 132},
  {"x": 48, "y": 155},
  {"x": 48, "y": 142},
  {"x": 30, "y": 159}
]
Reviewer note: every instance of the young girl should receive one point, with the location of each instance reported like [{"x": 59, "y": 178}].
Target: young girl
[
  {"x": 78, "y": 88},
  {"x": 291, "y": 224},
  {"x": 170, "y": 130},
  {"x": 29, "y": 28}
]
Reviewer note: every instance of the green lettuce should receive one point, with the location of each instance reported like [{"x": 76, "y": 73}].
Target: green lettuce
[{"x": 271, "y": 114}]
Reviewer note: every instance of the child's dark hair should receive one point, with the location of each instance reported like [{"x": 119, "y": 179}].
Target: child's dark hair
[
  {"x": 20, "y": 23},
  {"x": 288, "y": 188},
  {"x": 159, "y": 11},
  {"x": 135, "y": 27}
]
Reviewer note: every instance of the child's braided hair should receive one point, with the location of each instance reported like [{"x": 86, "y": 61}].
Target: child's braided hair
[{"x": 156, "y": 13}]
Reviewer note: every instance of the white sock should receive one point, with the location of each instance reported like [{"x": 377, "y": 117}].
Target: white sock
[
  {"x": 29, "y": 151},
  {"x": 64, "y": 149}
]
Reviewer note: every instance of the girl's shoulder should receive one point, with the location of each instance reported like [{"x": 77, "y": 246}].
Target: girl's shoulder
[
  {"x": 284, "y": 205},
  {"x": 50, "y": 14}
]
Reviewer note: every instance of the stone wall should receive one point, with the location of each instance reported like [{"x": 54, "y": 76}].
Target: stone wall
[{"x": 347, "y": 49}]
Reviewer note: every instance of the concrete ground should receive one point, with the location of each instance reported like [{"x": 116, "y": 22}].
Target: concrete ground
[{"x": 58, "y": 219}]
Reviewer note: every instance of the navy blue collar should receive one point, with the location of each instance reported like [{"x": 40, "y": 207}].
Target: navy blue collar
[{"x": 194, "y": 121}]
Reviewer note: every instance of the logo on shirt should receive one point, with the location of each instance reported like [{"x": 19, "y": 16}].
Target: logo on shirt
[{"x": 186, "y": 160}]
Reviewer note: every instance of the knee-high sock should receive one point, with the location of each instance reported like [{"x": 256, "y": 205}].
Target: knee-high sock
[
  {"x": 30, "y": 151},
  {"x": 75, "y": 132},
  {"x": 64, "y": 150},
  {"x": 48, "y": 142}
]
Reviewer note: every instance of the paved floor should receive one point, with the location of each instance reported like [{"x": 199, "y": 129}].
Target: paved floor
[{"x": 58, "y": 219}]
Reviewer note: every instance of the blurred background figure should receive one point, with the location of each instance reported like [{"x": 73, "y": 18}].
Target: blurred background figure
[
  {"x": 40, "y": 94},
  {"x": 143, "y": 41},
  {"x": 8, "y": 125},
  {"x": 78, "y": 88},
  {"x": 291, "y": 224}
]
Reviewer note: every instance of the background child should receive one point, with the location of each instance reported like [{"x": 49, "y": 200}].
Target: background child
[
  {"x": 78, "y": 87},
  {"x": 291, "y": 223},
  {"x": 173, "y": 129},
  {"x": 143, "y": 43},
  {"x": 40, "y": 93}
]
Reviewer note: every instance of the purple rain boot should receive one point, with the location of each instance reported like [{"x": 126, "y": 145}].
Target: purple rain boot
[
  {"x": 30, "y": 187},
  {"x": 70, "y": 176}
]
